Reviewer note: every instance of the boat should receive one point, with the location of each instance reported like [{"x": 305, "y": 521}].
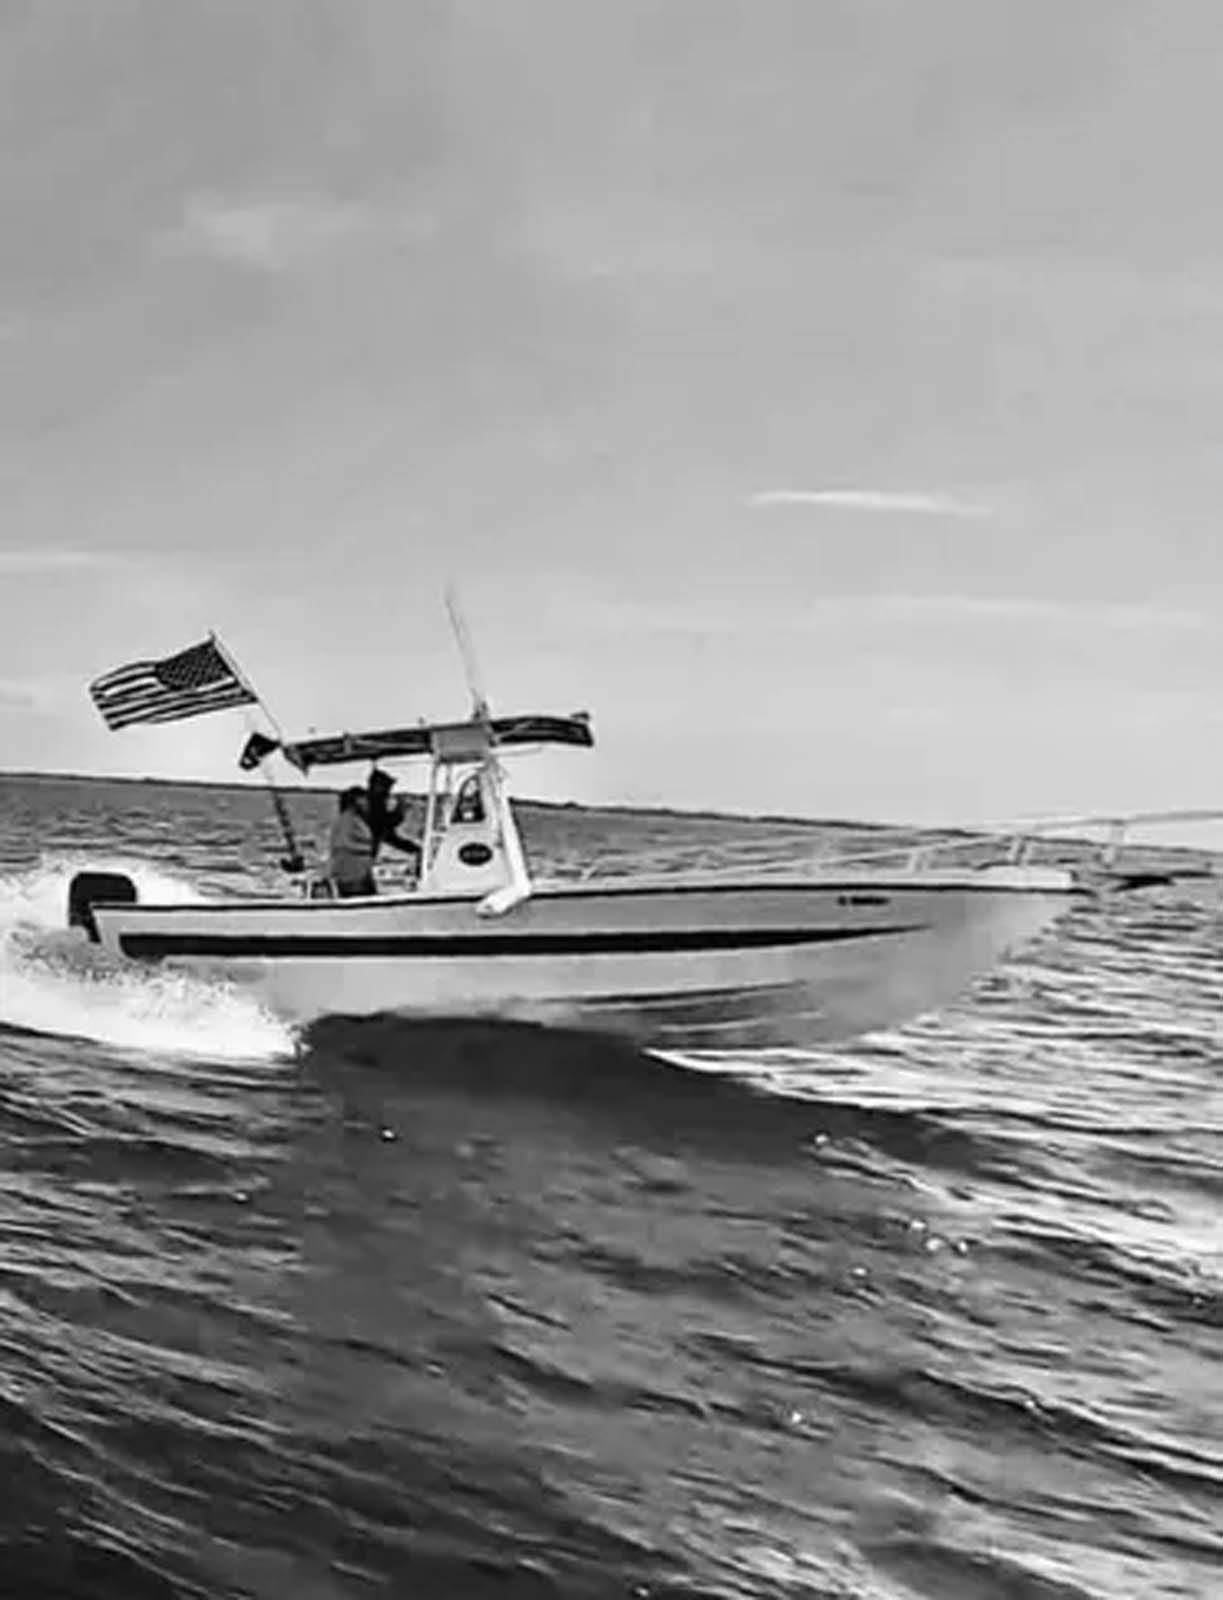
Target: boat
[{"x": 815, "y": 953}]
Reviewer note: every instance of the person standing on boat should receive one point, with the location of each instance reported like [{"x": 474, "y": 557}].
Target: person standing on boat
[
  {"x": 351, "y": 847},
  {"x": 386, "y": 817}
]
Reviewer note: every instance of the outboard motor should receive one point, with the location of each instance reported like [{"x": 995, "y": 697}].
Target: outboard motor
[{"x": 89, "y": 889}]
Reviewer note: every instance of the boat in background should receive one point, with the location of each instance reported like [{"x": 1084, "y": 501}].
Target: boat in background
[{"x": 819, "y": 952}]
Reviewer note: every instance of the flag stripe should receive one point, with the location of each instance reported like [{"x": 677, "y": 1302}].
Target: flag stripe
[
  {"x": 151, "y": 694},
  {"x": 147, "y": 690},
  {"x": 170, "y": 713},
  {"x": 180, "y": 710},
  {"x": 133, "y": 669},
  {"x": 177, "y": 713},
  {"x": 147, "y": 703}
]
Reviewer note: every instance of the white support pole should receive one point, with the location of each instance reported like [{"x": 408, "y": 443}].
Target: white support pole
[
  {"x": 462, "y": 634},
  {"x": 428, "y": 844},
  {"x": 519, "y": 886}
]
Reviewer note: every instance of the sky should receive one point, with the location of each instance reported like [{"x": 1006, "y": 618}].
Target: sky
[{"x": 827, "y": 395}]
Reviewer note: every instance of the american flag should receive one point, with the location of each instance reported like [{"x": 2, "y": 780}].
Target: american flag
[{"x": 189, "y": 684}]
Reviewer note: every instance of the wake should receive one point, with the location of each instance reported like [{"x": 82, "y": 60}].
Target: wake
[{"x": 53, "y": 982}]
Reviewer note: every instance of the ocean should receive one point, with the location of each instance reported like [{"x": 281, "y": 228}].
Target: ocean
[{"x": 394, "y": 1309}]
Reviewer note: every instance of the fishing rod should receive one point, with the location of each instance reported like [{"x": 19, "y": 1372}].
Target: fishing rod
[{"x": 293, "y": 862}]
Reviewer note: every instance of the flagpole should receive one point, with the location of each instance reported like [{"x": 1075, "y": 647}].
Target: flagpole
[{"x": 295, "y": 861}]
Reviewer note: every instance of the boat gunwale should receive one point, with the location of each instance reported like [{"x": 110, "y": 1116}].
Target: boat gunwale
[{"x": 933, "y": 882}]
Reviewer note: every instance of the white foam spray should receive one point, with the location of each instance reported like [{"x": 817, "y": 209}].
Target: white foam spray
[{"x": 53, "y": 982}]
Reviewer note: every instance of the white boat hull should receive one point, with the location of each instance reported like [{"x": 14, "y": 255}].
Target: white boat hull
[{"x": 681, "y": 966}]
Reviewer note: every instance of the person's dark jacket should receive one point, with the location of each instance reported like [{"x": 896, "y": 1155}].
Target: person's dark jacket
[{"x": 385, "y": 820}]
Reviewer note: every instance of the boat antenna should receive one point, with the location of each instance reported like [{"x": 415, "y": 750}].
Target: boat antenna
[
  {"x": 462, "y": 635},
  {"x": 293, "y": 861}
]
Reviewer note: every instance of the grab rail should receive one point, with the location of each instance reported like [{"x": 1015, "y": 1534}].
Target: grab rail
[{"x": 1015, "y": 842}]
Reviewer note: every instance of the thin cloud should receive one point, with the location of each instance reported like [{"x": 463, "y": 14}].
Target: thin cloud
[
  {"x": 280, "y": 235},
  {"x": 15, "y": 696},
  {"x": 1010, "y": 608},
  {"x": 40, "y": 563},
  {"x": 630, "y": 615},
  {"x": 885, "y": 502},
  {"x": 49, "y": 693}
]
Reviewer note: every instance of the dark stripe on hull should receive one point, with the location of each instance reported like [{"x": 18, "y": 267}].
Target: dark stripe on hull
[{"x": 286, "y": 946}]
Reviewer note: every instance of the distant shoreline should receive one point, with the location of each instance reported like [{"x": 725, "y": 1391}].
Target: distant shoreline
[
  {"x": 944, "y": 831},
  {"x": 680, "y": 813}
]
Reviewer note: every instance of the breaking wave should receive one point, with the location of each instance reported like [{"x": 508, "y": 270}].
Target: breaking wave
[{"x": 52, "y": 982}]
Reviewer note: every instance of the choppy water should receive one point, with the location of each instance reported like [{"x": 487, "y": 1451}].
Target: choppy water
[{"x": 479, "y": 1311}]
